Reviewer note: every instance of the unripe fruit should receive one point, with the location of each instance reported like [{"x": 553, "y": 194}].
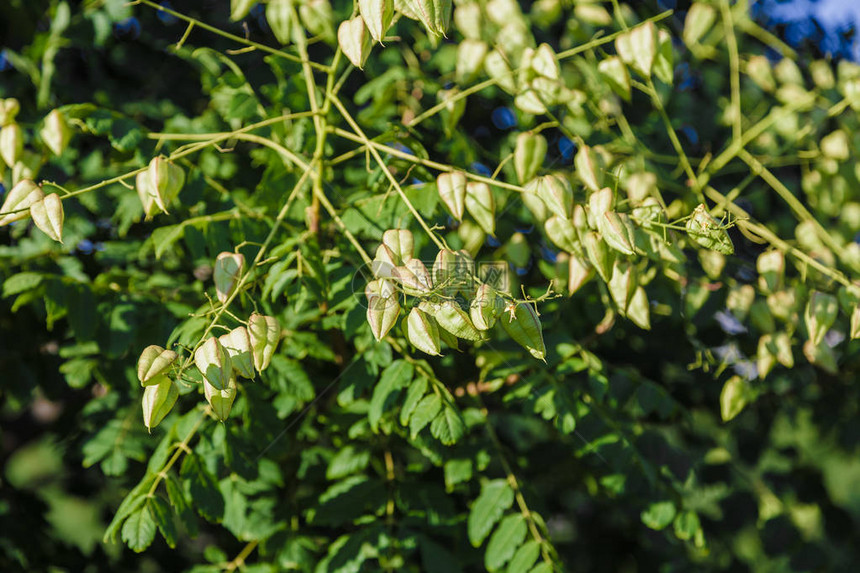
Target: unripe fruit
[
  {"x": 48, "y": 215},
  {"x": 237, "y": 342},
  {"x": 422, "y": 332},
  {"x": 153, "y": 362},
  {"x": 213, "y": 361},
  {"x": 265, "y": 333},
  {"x": 523, "y": 325},
  {"x": 11, "y": 143},
  {"x": 220, "y": 399},
  {"x": 19, "y": 199},
  {"x": 452, "y": 191},
  {"x": 56, "y": 132},
  {"x": 228, "y": 269},
  {"x": 482, "y": 206},
  {"x": 529, "y": 155},
  {"x": 158, "y": 400},
  {"x": 354, "y": 40}
]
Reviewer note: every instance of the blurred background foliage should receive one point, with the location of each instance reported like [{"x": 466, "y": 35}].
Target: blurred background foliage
[{"x": 618, "y": 445}]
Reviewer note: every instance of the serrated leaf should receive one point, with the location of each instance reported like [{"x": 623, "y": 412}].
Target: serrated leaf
[
  {"x": 416, "y": 391},
  {"x": 394, "y": 378},
  {"x": 202, "y": 487},
  {"x": 138, "y": 531},
  {"x": 496, "y": 497},
  {"x": 448, "y": 427},
  {"x": 425, "y": 411},
  {"x": 163, "y": 517}
]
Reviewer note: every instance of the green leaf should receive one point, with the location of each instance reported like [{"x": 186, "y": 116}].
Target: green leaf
[
  {"x": 496, "y": 497},
  {"x": 416, "y": 390},
  {"x": 394, "y": 378},
  {"x": 163, "y": 517},
  {"x": 448, "y": 427},
  {"x": 508, "y": 536},
  {"x": 21, "y": 282},
  {"x": 659, "y": 515},
  {"x": 425, "y": 411},
  {"x": 163, "y": 238},
  {"x": 139, "y": 529},
  {"x": 525, "y": 557},
  {"x": 202, "y": 487}
]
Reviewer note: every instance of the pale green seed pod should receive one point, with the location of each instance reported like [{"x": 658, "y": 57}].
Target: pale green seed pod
[
  {"x": 760, "y": 72},
  {"x": 153, "y": 362},
  {"x": 19, "y": 199},
  {"x": 467, "y": 20},
  {"x": 643, "y": 41},
  {"x": 700, "y": 19},
  {"x": 214, "y": 363},
  {"x": 482, "y": 206},
  {"x": 529, "y": 155},
  {"x": 614, "y": 71},
  {"x": 237, "y": 342},
  {"x": 377, "y": 15},
  {"x": 56, "y": 132},
  {"x": 534, "y": 203},
  {"x": 422, "y": 332},
  {"x": 11, "y": 143},
  {"x": 28, "y": 166},
  {"x": 454, "y": 108},
  {"x": 544, "y": 62},
  {"x": 318, "y": 18},
  {"x": 599, "y": 254},
  {"x": 384, "y": 262},
  {"x": 279, "y": 15},
  {"x": 623, "y": 284},
  {"x": 9, "y": 109},
  {"x": 589, "y": 167},
  {"x": 455, "y": 320},
  {"x": 599, "y": 203},
  {"x": 821, "y": 355},
  {"x": 664, "y": 61},
  {"x": 355, "y": 41},
  {"x": 523, "y": 325},
  {"x": 452, "y": 271},
  {"x": 617, "y": 231},
  {"x": 158, "y": 400},
  {"x": 240, "y": 8},
  {"x": 485, "y": 307},
  {"x": 562, "y": 233},
  {"x": 221, "y": 399},
  {"x": 413, "y": 276},
  {"x": 555, "y": 191},
  {"x": 820, "y": 314},
  {"x": 639, "y": 310},
  {"x": 434, "y": 14},
  {"x": 580, "y": 272},
  {"x": 470, "y": 58},
  {"x": 228, "y": 269},
  {"x": 705, "y": 230},
  {"x": 771, "y": 269},
  {"x": 497, "y": 67},
  {"x": 734, "y": 397},
  {"x": 145, "y": 192},
  {"x": 265, "y": 333},
  {"x": 452, "y": 191},
  {"x": 518, "y": 250},
  {"x": 48, "y": 215},
  {"x": 166, "y": 180},
  {"x": 383, "y": 307},
  {"x": 401, "y": 243}
]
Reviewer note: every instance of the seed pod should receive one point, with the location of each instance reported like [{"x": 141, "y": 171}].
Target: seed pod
[
  {"x": 496, "y": 66},
  {"x": 467, "y": 19},
  {"x": 589, "y": 167},
  {"x": 529, "y": 155},
  {"x": 599, "y": 203},
  {"x": 19, "y": 199},
  {"x": 228, "y": 269},
  {"x": 153, "y": 362},
  {"x": 383, "y": 307},
  {"x": 56, "y": 132},
  {"x": 9, "y": 108},
  {"x": 821, "y": 355},
  {"x": 555, "y": 191},
  {"x": 220, "y": 399},
  {"x": 422, "y": 332},
  {"x": 707, "y": 232},
  {"x": 518, "y": 250},
  {"x": 452, "y": 271},
  {"x": 534, "y": 203},
  {"x": 240, "y": 8},
  {"x": 279, "y": 15},
  {"x": 643, "y": 41},
  {"x": 700, "y": 18},
  {"x": 237, "y": 342},
  {"x": 639, "y": 311},
  {"x": 413, "y": 275},
  {"x": 377, "y": 15},
  {"x": 485, "y": 307},
  {"x": 623, "y": 284},
  {"x": 482, "y": 206},
  {"x": 158, "y": 400},
  {"x": 613, "y": 70},
  {"x": 771, "y": 269},
  {"x": 166, "y": 180},
  {"x": 434, "y": 14},
  {"x": 48, "y": 215},
  {"x": 455, "y": 320},
  {"x": 400, "y": 241},
  {"x": 452, "y": 191},
  {"x": 523, "y": 325},
  {"x": 760, "y": 72},
  {"x": 384, "y": 262},
  {"x": 664, "y": 60},
  {"x": 214, "y": 363},
  {"x": 599, "y": 254},
  {"x": 580, "y": 273},
  {"x": 318, "y": 18},
  {"x": 821, "y": 311},
  {"x": 562, "y": 233},
  {"x": 470, "y": 57},
  {"x": 617, "y": 231},
  {"x": 265, "y": 332},
  {"x": 146, "y": 194},
  {"x": 355, "y": 41},
  {"x": 544, "y": 62},
  {"x": 11, "y": 143},
  {"x": 734, "y": 397}
]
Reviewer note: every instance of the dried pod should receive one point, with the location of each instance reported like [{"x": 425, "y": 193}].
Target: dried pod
[{"x": 228, "y": 269}]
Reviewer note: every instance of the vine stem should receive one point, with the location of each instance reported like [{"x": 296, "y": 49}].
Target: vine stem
[
  {"x": 373, "y": 151},
  {"x": 239, "y": 560},
  {"x": 734, "y": 64}
]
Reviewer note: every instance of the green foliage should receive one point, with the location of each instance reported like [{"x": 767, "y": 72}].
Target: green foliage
[{"x": 425, "y": 286}]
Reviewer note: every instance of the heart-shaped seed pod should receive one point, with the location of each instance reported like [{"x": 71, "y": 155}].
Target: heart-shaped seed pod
[
  {"x": 452, "y": 191},
  {"x": 265, "y": 333},
  {"x": 213, "y": 361},
  {"x": 523, "y": 325},
  {"x": 158, "y": 400},
  {"x": 355, "y": 41},
  {"x": 220, "y": 399},
  {"x": 228, "y": 269},
  {"x": 423, "y": 332},
  {"x": 153, "y": 362},
  {"x": 237, "y": 342},
  {"x": 18, "y": 201},
  {"x": 383, "y": 307},
  {"x": 48, "y": 215}
]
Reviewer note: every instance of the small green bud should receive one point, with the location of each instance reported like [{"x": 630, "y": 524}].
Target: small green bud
[
  {"x": 48, "y": 215},
  {"x": 153, "y": 362},
  {"x": 158, "y": 400}
]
